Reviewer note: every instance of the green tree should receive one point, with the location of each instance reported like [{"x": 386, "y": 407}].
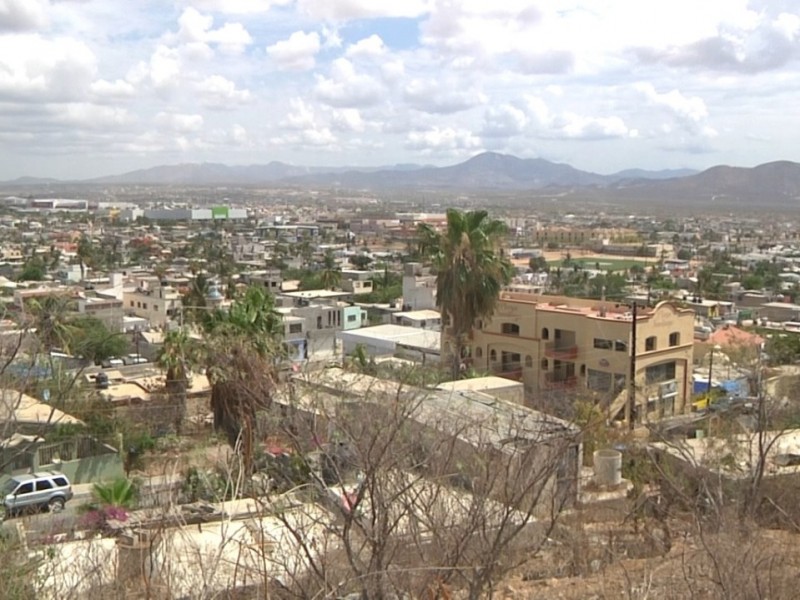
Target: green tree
[
  {"x": 85, "y": 254},
  {"x": 361, "y": 261},
  {"x": 50, "y": 317},
  {"x": 34, "y": 269},
  {"x": 178, "y": 356},
  {"x": 331, "y": 275},
  {"x": 471, "y": 270},
  {"x": 94, "y": 341},
  {"x": 538, "y": 264},
  {"x": 243, "y": 350},
  {"x": 120, "y": 492}
]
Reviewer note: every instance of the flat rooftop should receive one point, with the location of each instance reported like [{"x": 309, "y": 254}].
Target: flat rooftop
[
  {"x": 420, "y": 315},
  {"x": 472, "y": 416},
  {"x": 402, "y": 335}
]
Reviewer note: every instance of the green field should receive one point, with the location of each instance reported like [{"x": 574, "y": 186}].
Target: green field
[{"x": 606, "y": 264}]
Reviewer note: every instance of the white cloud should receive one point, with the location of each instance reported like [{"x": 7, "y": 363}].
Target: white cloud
[
  {"x": 369, "y": 47},
  {"x": 237, "y": 7},
  {"x": 197, "y": 28},
  {"x": 300, "y": 117},
  {"x": 548, "y": 124},
  {"x": 162, "y": 71},
  {"x": 116, "y": 89},
  {"x": 442, "y": 96},
  {"x": 504, "y": 121},
  {"x": 218, "y": 92},
  {"x": 363, "y": 9},
  {"x": 22, "y": 15},
  {"x": 591, "y": 128},
  {"x": 348, "y": 119},
  {"x": 41, "y": 70},
  {"x": 346, "y": 88},
  {"x": 688, "y": 109},
  {"x": 296, "y": 53},
  {"x": 180, "y": 123},
  {"x": 446, "y": 140},
  {"x": 92, "y": 116}
]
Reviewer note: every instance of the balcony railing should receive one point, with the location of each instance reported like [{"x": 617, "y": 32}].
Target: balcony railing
[
  {"x": 560, "y": 352},
  {"x": 510, "y": 371},
  {"x": 556, "y": 381}
]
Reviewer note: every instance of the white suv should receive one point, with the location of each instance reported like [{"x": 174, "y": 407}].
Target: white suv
[{"x": 35, "y": 491}]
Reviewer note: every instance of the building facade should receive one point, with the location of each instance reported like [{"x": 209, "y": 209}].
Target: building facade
[{"x": 555, "y": 344}]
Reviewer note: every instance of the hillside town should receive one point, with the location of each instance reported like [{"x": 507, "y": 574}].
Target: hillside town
[{"x": 292, "y": 398}]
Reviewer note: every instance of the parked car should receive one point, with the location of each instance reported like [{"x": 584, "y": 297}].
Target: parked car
[
  {"x": 134, "y": 359},
  {"x": 112, "y": 363},
  {"x": 28, "y": 492}
]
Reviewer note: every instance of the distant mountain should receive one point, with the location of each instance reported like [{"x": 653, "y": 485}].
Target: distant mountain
[
  {"x": 32, "y": 181},
  {"x": 489, "y": 170},
  {"x": 645, "y": 174},
  {"x": 771, "y": 184}
]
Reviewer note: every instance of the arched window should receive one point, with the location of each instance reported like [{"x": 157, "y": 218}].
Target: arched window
[
  {"x": 650, "y": 344},
  {"x": 545, "y": 364},
  {"x": 478, "y": 352},
  {"x": 510, "y": 329},
  {"x": 493, "y": 355},
  {"x": 545, "y": 334},
  {"x": 529, "y": 361},
  {"x": 675, "y": 338}
]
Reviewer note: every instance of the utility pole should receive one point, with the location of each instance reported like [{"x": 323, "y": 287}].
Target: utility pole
[{"x": 631, "y": 412}]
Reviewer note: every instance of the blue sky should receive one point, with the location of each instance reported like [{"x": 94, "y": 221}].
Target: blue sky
[{"x": 94, "y": 87}]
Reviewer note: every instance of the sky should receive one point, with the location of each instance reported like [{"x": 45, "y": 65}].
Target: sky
[{"x": 98, "y": 87}]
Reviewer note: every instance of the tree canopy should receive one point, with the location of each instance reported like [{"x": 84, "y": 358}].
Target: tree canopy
[{"x": 471, "y": 270}]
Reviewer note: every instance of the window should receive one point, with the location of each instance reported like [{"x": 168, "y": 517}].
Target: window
[
  {"x": 44, "y": 484},
  {"x": 155, "y": 307},
  {"x": 479, "y": 324},
  {"x": 319, "y": 322},
  {"x": 619, "y": 382},
  {"x": 545, "y": 364},
  {"x": 529, "y": 361},
  {"x": 674, "y": 338},
  {"x": 545, "y": 334},
  {"x": 493, "y": 355},
  {"x": 583, "y": 370},
  {"x": 620, "y": 346},
  {"x": 131, "y": 303},
  {"x": 60, "y": 481},
  {"x": 478, "y": 352},
  {"x": 659, "y": 373},
  {"x": 601, "y": 344},
  {"x": 510, "y": 329},
  {"x": 25, "y": 488},
  {"x": 650, "y": 344},
  {"x": 599, "y": 381},
  {"x": 138, "y": 305},
  {"x": 351, "y": 318},
  {"x": 295, "y": 328},
  {"x": 144, "y": 305}
]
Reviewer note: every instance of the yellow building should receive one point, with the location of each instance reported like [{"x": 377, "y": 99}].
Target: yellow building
[{"x": 553, "y": 343}]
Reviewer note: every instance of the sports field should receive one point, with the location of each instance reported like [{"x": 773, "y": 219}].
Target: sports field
[{"x": 605, "y": 263}]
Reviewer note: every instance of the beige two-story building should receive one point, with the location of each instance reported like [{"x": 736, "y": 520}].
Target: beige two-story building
[{"x": 555, "y": 343}]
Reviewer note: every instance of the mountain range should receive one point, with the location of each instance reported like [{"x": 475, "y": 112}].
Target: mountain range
[{"x": 775, "y": 183}]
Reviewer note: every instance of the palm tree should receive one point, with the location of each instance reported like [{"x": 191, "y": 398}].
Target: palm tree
[
  {"x": 50, "y": 317},
  {"x": 331, "y": 275},
  {"x": 120, "y": 492},
  {"x": 178, "y": 355},
  {"x": 85, "y": 253},
  {"x": 471, "y": 269},
  {"x": 243, "y": 349}
]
